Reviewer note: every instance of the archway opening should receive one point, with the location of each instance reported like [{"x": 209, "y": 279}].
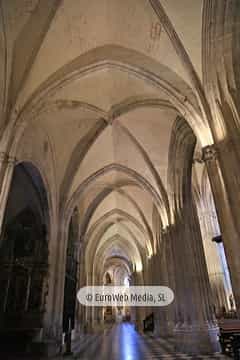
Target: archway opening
[{"x": 24, "y": 260}]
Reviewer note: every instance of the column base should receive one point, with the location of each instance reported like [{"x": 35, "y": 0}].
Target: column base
[
  {"x": 138, "y": 325},
  {"x": 163, "y": 330},
  {"x": 195, "y": 339}
]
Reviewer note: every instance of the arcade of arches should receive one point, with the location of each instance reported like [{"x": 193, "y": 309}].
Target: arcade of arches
[{"x": 120, "y": 164}]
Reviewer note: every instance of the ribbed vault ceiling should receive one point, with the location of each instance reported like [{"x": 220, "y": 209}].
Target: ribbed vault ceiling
[{"x": 103, "y": 83}]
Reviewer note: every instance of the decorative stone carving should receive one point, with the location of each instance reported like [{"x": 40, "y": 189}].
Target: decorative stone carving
[
  {"x": 209, "y": 153},
  {"x": 3, "y": 157}
]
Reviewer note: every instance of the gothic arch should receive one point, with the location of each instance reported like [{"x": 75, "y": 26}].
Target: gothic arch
[
  {"x": 101, "y": 196},
  {"x": 180, "y": 95},
  {"x": 104, "y": 223},
  {"x": 133, "y": 174}
]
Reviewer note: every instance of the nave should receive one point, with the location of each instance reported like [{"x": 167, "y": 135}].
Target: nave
[{"x": 119, "y": 166}]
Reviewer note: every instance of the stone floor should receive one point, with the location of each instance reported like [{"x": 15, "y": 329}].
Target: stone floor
[{"x": 122, "y": 342}]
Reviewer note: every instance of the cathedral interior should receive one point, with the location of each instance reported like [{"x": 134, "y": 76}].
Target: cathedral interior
[{"x": 119, "y": 165}]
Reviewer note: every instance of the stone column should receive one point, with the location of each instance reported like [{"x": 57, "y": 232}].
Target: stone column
[
  {"x": 155, "y": 270},
  {"x": 89, "y": 311},
  {"x": 196, "y": 331},
  {"x": 52, "y": 330},
  {"x": 7, "y": 164},
  {"x": 167, "y": 279},
  {"x": 96, "y": 310},
  {"x": 228, "y": 216},
  {"x": 80, "y": 315},
  {"x": 60, "y": 276},
  {"x": 163, "y": 316},
  {"x": 213, "y": 259},
  {"x": 139, "y": 311},
  {"x": 160, "y": 271},
  {"x": 132, "y": 309}
]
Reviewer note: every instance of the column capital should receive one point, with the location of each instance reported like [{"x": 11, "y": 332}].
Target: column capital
[
  {"x": 5, "y": 158},
  {"x": 11, "y": 160},
  {"x": 209, "y": 153}
]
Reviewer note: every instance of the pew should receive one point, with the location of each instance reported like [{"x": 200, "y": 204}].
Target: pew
[{"x": 229, "y": 337}]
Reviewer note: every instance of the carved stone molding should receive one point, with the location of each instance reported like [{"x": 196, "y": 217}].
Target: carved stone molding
[{"x": 209, "y": 153}]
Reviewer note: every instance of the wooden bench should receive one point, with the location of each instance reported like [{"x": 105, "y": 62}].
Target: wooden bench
[{"x": 229, "y": 337}]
